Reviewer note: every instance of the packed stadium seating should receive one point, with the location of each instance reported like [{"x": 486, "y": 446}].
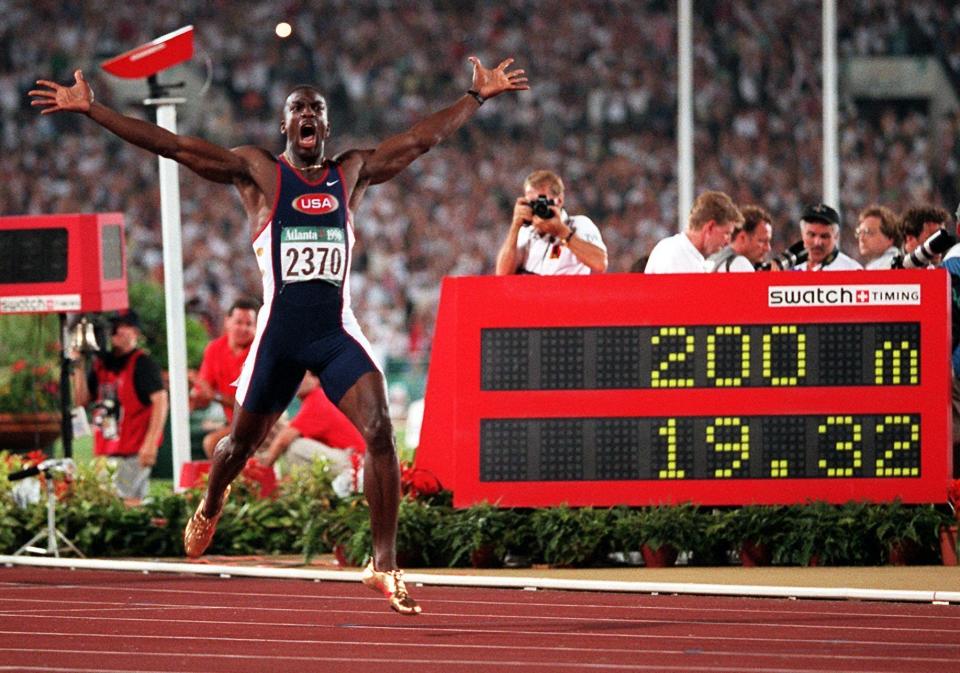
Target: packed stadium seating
[{"x": 602, "y": 113}]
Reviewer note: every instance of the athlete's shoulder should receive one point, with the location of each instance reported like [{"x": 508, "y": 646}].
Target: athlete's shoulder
[
  {"x": 352, "y": 156},
  {"x": 254, "y": 155}
]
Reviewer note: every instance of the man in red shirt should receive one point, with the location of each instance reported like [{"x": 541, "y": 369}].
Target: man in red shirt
[
  {"x": 222, "y": 361},
  {"x": 318, "y": 429}
]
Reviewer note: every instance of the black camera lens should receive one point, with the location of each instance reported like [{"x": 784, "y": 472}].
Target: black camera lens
[
  {"x": 541, "y": 207},
  {"x": 939, "y": 242},
  {"x": 793, "y": 256}
]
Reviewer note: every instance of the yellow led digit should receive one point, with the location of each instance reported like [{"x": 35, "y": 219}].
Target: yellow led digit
[
  {"x": 884, "y": 469},
  {"x": 850, "y": 446},
  {"x": 670, "y": 432},
  {"x": 739, "y": 449},
  {"x": 780, "y": 379},
  {"x": 657, "y": 376},
  {"x": 779, "y": 468},
  {"x": 904, "y": 363},
  {"x": 728, "y": 381}
]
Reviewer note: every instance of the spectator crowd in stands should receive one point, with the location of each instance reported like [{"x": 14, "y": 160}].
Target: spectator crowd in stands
[{"x": 602, "y": 114}]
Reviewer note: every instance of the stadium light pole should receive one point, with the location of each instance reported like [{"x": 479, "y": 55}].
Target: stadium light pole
[
  {"x": 148, "y": 60},
  {"x": 684, "y": 111},
  {"x": 831, "y": 146}
]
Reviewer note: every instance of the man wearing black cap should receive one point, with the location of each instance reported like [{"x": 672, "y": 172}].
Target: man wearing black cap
[
  {"x": 129, "y": 406},
  {"x": 820, "y": 228}
]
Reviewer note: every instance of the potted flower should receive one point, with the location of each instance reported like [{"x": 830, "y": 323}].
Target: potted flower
[
  {"x": 906, "y": 532},
  {"x": 660, "y": 532},
  {"x": 29, "y": 382},
  {"x": 29, "y": 406},
  {"x": 755, "y": 531},
  {"x": 820, "y": 533},
  {"x": 570, "y": 537},
  {"x": 479, "y": 535}
]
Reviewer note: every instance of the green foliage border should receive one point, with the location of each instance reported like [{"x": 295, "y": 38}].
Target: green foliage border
[{"x": 305, "y": 517}]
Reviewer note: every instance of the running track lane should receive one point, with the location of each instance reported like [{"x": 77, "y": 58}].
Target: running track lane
[{"x": 94, "y": 621}]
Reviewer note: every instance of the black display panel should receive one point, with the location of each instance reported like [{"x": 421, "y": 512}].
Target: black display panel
[
  {"x": 701, "y": 356},
  {"x": 33, "y": 255},
  {"x": 701, "y": 447}
]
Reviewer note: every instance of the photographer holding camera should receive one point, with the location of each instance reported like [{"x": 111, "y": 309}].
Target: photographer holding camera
[
  {"x": 544, "y": 240},
  {"x": 925, "y": 235}
]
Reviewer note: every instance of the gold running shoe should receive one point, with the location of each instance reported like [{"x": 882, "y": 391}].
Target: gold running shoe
[
  {"x": 199, "y": 531},
  {"x": 390, "y": 584}
]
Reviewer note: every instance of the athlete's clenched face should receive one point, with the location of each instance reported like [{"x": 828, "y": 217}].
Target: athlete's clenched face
[{"x": 305, "y": 123}]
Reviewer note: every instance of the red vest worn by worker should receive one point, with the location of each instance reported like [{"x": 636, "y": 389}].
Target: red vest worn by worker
[{"x": 120, "y": 418}]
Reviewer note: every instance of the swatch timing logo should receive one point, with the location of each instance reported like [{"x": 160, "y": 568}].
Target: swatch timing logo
[{"x": 779, "y": 296}]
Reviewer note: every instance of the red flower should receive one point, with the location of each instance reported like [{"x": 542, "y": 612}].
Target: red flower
[
  {"x": 415, "y": 481},
  {"x": 953, "y": 497},
  {"x": 18, "y": 366},
  {"x": 34, "y": 458}
]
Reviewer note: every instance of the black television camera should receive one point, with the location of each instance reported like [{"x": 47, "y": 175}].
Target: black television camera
[
  {"x": 542, "y": 207},
  {"x": 793, "y": 256},
  {"x": 939, "y": 242}
]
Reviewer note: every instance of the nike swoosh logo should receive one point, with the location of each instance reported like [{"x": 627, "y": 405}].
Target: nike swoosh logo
[{"x": 331, "y": 184}]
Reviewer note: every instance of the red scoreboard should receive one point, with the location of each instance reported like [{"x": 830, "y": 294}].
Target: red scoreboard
[
  {"x": 720, "y": 389},
  {"x": 62, "y": 263}
]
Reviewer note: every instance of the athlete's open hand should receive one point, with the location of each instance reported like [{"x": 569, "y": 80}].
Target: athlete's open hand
[
  {"x": 59, "y": 98},
  {"x": 491, "y": 82}
]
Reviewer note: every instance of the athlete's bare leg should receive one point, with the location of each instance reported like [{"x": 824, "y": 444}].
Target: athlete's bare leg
[
  {"x": 229, "y": 457},
  {"x": 365, "y": 404},
  {"x": 212, "y": 438}
]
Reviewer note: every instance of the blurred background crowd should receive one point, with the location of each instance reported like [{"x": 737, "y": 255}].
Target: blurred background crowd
[{"x": 602, "y": 113}]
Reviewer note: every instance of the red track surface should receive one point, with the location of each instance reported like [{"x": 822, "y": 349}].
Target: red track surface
[{"x": 79, "y": 621}]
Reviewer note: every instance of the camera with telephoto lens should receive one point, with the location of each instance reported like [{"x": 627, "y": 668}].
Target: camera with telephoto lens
[
  {"x": 793, "y": 256},
  {"x": 939, "y": 242},
  {"x": 541, "y": 207}
]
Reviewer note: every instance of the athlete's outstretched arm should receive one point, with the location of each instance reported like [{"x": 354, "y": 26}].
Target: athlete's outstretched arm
[
  {"x": 204, "y": 158},
  {"x": 399, "y": 151}
]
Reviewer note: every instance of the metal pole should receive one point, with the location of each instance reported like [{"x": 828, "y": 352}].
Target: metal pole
[
  {"x": 685, "y": 176},
  {"x": 173, "y": 291},
  {"x": 66, "y": 365},
  {"x": 52, "y": 547},
  {"x": 831, "y": 146}
]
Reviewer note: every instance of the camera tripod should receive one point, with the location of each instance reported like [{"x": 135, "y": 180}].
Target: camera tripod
[{"x": 51, "y": 533}]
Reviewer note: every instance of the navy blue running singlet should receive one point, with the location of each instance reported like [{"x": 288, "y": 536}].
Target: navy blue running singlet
[{"x": 304, "y": 253}]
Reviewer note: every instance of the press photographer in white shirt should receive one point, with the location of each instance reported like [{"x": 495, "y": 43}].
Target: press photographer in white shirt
[
  {"x": 712, "y": 220},
  {"x": 544, "y": 239}
]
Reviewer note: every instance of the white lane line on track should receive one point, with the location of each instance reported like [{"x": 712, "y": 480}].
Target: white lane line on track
[
  {"x": 951, "y": 612},
  {"x": 626, "y": 621},
  {"x": 440, "y": 629},
  {"x": 699, "y": 651},
  {"x": 458, "y": 663}
]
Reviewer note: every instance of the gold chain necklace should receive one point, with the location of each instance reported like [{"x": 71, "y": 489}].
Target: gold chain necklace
[{"x": 304, "y": 168}]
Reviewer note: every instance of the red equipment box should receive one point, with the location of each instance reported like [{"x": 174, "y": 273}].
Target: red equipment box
[{"x": 62, "y": 263}]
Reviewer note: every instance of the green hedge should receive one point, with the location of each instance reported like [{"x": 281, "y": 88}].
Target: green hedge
[{"x": 305, "y": 517}]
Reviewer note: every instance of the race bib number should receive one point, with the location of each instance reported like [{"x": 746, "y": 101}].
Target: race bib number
[{"x": 313, "y": 253}]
